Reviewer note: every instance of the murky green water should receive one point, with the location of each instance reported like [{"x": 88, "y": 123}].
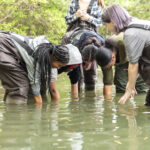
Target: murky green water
[{"x": 88, "y": 124}]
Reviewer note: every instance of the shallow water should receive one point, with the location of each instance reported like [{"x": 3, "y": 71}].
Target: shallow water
[{"x": 90, "y": 123}]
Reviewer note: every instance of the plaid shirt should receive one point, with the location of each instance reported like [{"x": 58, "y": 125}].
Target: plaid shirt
[{"x": 95, "y": 14}]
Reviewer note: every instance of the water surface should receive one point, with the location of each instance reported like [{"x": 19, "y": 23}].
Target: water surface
[{"x": 91, "y": 123}]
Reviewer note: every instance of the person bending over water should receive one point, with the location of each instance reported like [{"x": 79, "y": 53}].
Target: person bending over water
[
  {"x": 136, "y": 41},
  {"x": 27, "y": 62},
  {"x": 88, "y": 42},
  {"x": 113, "y": 52}
]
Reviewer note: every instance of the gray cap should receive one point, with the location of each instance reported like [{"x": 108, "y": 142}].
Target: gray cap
[{"x": 74, "y": 55}]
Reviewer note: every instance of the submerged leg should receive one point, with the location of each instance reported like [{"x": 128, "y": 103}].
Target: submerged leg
[
  {"x": 90, "y": 77},
  {"x": 147, "y": 101},
  {"x": 14, "y": 80}
]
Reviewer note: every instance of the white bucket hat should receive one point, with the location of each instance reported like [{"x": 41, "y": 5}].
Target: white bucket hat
[{"x": 74, "y": 55}]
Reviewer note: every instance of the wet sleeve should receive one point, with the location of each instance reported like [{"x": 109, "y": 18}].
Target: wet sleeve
[{"x": 107, "y": 76}]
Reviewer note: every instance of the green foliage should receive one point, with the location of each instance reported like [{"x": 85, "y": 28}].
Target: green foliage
[
  {"x": 136, "y": 8},
  {"x": 37, "y": 17},
  {"x": 34, "y": 17}
]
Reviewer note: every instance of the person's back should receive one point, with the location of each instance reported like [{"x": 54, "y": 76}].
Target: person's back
[{"x": 80, "y": 36}]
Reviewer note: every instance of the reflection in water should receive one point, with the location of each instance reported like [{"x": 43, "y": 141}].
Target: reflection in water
[
  {"x": 130, "y": 115},
  {"x": 90, "y": 123}
]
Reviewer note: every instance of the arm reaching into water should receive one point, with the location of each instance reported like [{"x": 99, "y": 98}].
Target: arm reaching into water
[
  {"x": 74, "y": 90},
  {"x": 38, "y": 99},
  {"x": 54, "y": 91},
  {"x": 132, "y": 76}
]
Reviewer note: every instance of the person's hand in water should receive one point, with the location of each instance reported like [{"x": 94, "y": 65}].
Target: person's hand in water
[
  {"x": 128, "y": 94},
  {"x": 133, "y": 93},
  {"x": 38, "y": 99}
]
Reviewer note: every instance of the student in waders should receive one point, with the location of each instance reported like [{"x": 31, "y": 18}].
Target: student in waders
[
  {"x": 137, "y": 45},
  {"x": 27, "y": 62}
]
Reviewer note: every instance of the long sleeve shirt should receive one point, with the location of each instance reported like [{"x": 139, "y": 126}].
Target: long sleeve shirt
[{"x": 95, "y": 13}]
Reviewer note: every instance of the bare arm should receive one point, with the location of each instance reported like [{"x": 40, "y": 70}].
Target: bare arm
[
  {"x": 132, "y": 76},
  {"x": 74, "y": 91},
  {"x": 107, "y": 91},
  {"x": 54, "y": 91},
  {"x": 38, "y": 99}
]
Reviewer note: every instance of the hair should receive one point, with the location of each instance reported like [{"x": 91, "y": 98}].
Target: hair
[
  {"x": 42, "y": 58},
  {"x": 103, "y": 56},
  {"x": 88, "y": 52},
  {"x": 111, "y": 43},
  {"x": 88, "y": 45},
  {"x": 104, "y": 53},
  {"x": 117, "y": 15}
]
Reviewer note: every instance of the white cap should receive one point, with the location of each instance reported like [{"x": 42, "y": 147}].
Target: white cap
[{"x": 74, "y": 55}]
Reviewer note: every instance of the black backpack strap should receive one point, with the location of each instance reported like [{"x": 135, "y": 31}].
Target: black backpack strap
[
  {"x": 141, "y": 26},
  {"x": 77, "y": 4},
  {"x": 90, "y": 6},
  {"x": 23, "y": 44}
]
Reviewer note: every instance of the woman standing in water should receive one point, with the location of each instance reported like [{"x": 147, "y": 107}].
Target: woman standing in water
[
  {"x": 27, "y": 62},
  {"x": 137, "y": 45}
]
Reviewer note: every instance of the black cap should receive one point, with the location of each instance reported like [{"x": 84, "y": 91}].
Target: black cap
[{"x": 103, "y": 56}]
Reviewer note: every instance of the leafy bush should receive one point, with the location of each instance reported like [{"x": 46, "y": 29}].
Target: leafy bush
[
  {"x": 37, "y": 17},
  {"x": 34, "y": 17},
  {"x": 136, "y": 8}
]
